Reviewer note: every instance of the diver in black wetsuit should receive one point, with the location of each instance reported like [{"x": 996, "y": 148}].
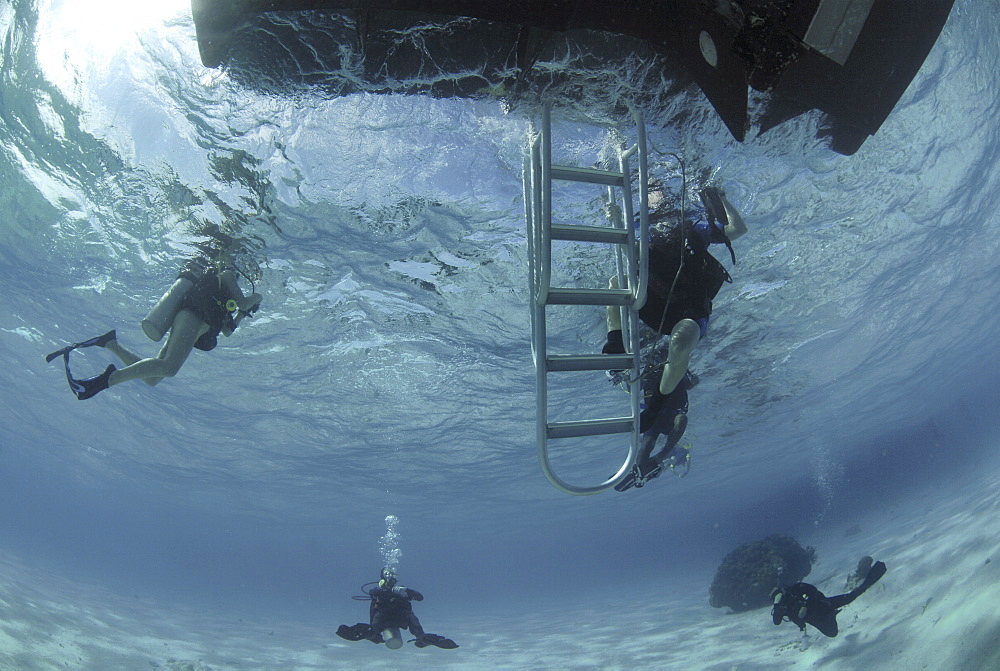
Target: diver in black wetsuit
[
  {"x": 389, "y": 612},
  {"x": 684, "y": 278},
  {"x": 802, "y": 604}
]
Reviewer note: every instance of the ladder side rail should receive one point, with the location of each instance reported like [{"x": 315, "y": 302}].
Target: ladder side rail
[
  {"x": 631, "y": 252},
  {"x": 544, "y": 240},
  {"x": 541, "y": 255},
  {"x": 635, "y": 383},
  {"x": 541, "y": 262},
  {"x": 625, "y": 261},
  {"x": 621, "y": 262},
  {"x": 575, "y": 490},
  {"x": 530, "y": 203},
  {"x": 542, "y": 393},
  {"x": 643, "y": 262},
  {"x": 643, "y": 160},
  {"x": 630, "y": 314}
]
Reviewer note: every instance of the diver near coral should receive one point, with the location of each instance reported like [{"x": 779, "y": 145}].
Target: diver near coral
[
  {"x": 390, "y": 611},
  {"x": 802, "y": 603},
  {"x": 684, "y": 277},
  {"x": 203, "y": 302}
]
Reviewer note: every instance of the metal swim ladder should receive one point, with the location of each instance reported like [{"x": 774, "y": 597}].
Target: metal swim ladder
[{"x": 631, "y": 257}]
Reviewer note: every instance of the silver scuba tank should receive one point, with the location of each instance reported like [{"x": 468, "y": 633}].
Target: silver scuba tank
[
  {"x": 159, "y": 319},
  {"x": 393, "y": 639}
]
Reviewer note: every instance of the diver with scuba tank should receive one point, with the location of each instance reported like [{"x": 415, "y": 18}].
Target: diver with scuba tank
[
  {"x": 203, "y": 302},
  {"x": 684, "y": 278},
  {"x": 391, "y": 611}
]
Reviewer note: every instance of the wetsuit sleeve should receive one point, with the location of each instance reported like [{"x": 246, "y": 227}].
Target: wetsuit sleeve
[
  {"x": 414, "y": 594},
  {"x": 710, "y": 234},
  {"x": 714, "y": 234}
]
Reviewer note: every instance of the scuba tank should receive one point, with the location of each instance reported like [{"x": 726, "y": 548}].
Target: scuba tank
[
  {"x": 393, "y": 639},
  {"x": 159, "y": 319}
]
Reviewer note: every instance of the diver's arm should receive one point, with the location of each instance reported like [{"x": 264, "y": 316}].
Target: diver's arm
[
  {"x": 247, "y": 304},
  {"x": 407, "y": 592}
]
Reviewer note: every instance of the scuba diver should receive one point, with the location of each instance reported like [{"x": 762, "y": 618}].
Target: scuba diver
[
  {"x": 204, "y": 302},
  {"x": 389, "y": 612},
  {"x": 684, "y": 277},
  {"x": 802, "y": 604}
]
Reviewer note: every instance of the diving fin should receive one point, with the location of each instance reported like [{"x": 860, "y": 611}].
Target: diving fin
[
  {"x": 877, "y": 570},
  {"x": 358, "y": 632},
  {"x": 90, "y": 387},
  {"x": 640, "y": 475},
  {"x": 99, "y": 341},
  {"x": 435, "y": 640},
  {"x": 715, "y": 207},
  {"x": 714, "y": 200}
]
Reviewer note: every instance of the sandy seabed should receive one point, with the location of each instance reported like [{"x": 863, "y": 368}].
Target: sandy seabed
[{"x": 935, "y": 609}]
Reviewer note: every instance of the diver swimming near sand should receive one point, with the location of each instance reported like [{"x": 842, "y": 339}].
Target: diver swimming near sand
[
  {"x": 391, "y": 611},
  {"x": 802, "y": 603}
]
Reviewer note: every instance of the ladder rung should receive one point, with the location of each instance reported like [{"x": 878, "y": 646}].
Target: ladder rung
[
  {"x": 572, "y": 173},
  {"x": 589, "y": 297},
  {"x": 618, "y": 236},
  {"x": 573, "y": 362},
  {"x": 590, "y": 427}
]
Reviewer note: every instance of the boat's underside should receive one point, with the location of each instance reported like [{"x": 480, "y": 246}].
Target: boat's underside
[{"x": 851, "y": 59}]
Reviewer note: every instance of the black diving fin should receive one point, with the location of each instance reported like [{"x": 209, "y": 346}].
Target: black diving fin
[
  {"x": 875, "y": 573},
  {"x": 714, "y": 201},
  {"x": 435, "y": 640},
  {"x": 99, "y": 341},
  {"x": 639, "y": 476},
  {"x": 359, "y": 632},
  {"x": 715, "y": 207},
  {"x": 89, "y": 387}
]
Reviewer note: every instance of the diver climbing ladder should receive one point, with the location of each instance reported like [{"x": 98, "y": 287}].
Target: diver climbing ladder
[{"x": 631, "y": 253}]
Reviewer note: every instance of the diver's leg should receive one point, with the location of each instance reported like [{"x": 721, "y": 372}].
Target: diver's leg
[
  {"x": 129, "y": 357},
  {"x": 683, "y": 340},
  {"x": 614, "y": 311},
  {"x": 674, "y": 437},
  {"x": 646, "y": 446},
  {"x": 185, "y": 330},
  {"x": 615, "y": 344},
  {"x": 126, "y": 356},
  {"x": 413, "y": 624}
]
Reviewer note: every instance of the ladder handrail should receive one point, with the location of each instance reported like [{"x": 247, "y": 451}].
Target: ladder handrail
[
  {"x": 527, "y": 183},
  {"x": 545, "y": 202},
  {"x": 640, "y": 144}
]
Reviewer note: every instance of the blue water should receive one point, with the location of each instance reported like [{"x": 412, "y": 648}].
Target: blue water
[{"x": 850, "y": 368}]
